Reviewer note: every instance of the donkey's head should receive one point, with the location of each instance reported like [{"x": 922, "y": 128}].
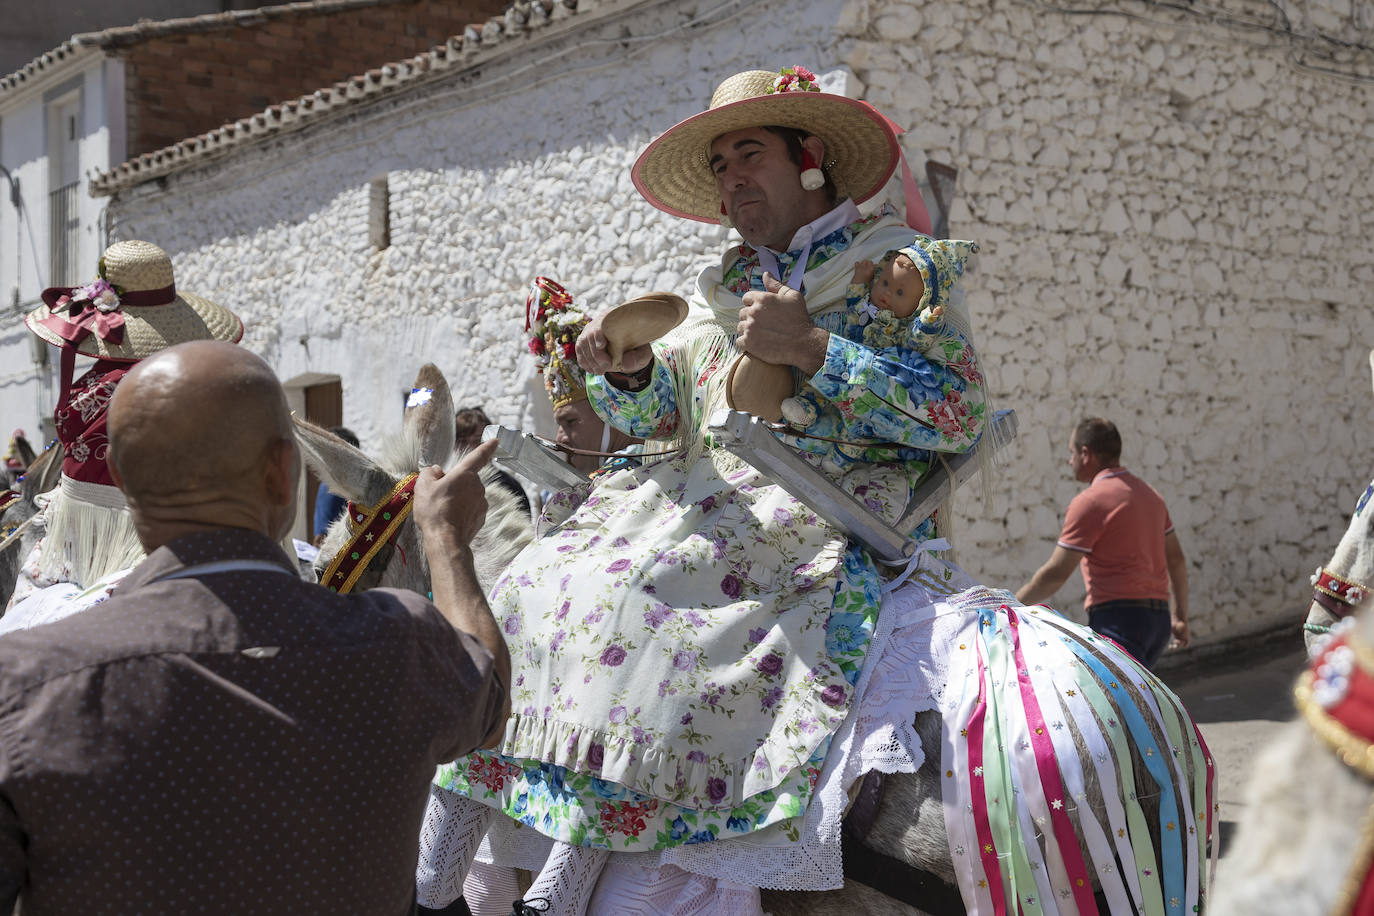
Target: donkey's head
[
  {"x": 426, "y": 438},
  {"x": 1343, "y": 585}
]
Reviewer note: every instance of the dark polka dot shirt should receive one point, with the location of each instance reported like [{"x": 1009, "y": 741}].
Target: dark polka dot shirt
[{"x": 222, "y": 737}]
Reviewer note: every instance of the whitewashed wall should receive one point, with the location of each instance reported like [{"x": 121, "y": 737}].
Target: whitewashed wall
[
  {"x": 1175, "y": 227},
  {"x": 1176, "y": 222},
  {"x": 28, "y": 387}
]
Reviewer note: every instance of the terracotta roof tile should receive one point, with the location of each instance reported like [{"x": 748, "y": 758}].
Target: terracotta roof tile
[
  {"x": 295, "y": 114},
  {"x": 125, "y": 35}
]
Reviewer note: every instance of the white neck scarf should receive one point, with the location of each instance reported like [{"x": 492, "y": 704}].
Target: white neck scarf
[{"x": 842, "y": 215}]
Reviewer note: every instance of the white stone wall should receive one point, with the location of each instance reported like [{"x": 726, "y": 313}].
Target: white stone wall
[
  {"x": 1173, "y": 220},
  {"x": 1176, "y": 226},
  {"x": 524, "y": 171}
]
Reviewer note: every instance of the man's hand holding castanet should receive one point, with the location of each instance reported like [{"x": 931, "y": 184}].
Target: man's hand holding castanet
[
  {"x": 775, "y": 327},
  {"x": 594, "y": 354}
]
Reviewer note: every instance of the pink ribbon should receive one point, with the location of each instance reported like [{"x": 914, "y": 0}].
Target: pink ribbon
[
  {"x": 1046, "y": 762},
  {"x": 917, "y": 216},
  {"x": 987, "y": 851},
  {"x": 108, "y": 326}
]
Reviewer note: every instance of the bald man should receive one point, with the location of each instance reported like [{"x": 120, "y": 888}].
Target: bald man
[{"x": 220, "y": 736}]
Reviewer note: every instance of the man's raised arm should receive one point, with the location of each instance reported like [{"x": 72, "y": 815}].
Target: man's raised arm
[{"x": 450, "y": 509}]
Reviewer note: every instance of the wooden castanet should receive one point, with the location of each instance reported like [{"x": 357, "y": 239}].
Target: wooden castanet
[
  {"x": 640, "y": 321},
  {"x": 759, "y": 388}
]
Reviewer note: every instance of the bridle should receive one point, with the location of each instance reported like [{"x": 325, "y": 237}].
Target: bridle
[
  {"x": 1337, "y": 594},
  {"x": 373, "y": 538}
]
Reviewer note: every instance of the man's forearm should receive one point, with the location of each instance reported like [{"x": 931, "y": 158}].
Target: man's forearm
[
  {"x": 1178, "y": 584},
  {"x": 459, "y": 597},
  {"x": 1038, "y": 589},
  {"x": 1043, "y": 584}
]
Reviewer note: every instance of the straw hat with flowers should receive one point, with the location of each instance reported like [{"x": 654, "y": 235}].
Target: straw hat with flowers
[
  {"x": 131, "y": 310},
  {"x": 861, "y": 148}
]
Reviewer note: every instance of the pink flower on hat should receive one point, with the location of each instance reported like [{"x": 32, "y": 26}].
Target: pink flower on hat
[
  {"x": 795, "y": 79},
  {"x": 100, "y": 293}
]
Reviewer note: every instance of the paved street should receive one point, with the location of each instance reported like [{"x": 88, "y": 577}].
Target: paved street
[{"x": 1240, "y": 699}]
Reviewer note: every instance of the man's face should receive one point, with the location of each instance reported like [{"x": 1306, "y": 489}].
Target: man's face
[
  {"x": 580, "y": 427},
  {"x": 761, "y": 188},
  {"x": 1080, "y": 460}
]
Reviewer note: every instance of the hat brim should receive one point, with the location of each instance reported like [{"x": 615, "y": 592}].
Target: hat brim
[
  {"x": 673, "y": 173},
  {"x": 148, "y": 329}
]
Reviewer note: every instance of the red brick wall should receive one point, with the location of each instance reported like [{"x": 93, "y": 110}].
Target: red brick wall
[{"x": 178, "y": 86}]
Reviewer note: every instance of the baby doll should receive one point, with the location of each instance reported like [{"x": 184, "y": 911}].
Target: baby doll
[{"x": 899, "y": 302}]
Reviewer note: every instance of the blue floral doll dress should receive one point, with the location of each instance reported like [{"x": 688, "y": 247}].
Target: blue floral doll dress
[
  {"x": 941, "y": 339},
  {"x": 686, "y": 642}
]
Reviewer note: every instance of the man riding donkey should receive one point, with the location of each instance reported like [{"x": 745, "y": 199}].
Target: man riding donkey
[
  {"x": 687, "y": 643},
  {"x": 132, "y": 310}
]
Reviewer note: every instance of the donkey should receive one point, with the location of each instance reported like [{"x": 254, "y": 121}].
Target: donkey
[
  {"x": 905, "y": 829},
  {"x": 426, "y": 439},
  {"x": 1304, "y": 844},
  {"x": 17, "y": 534},
  {"x": 1352, "y": 564}
]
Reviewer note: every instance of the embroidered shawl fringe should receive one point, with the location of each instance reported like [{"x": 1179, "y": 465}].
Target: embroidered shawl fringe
[{"x": 94, "y": 541}]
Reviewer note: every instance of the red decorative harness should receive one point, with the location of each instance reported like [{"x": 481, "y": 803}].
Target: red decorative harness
[
  {"x": 1336, "y": 694},
  {"x": 1335, "y": 593},
  {"x": 372, "y": 529}
]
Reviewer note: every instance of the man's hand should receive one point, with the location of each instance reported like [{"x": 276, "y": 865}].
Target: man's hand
[
  {"x": 774, "y": 327},
  {"x": 593, "y": 353},
  {"x": 1181, "y": 635},
  {"x": 450, "y": 509},
  {"x": 453, "y": 504}
]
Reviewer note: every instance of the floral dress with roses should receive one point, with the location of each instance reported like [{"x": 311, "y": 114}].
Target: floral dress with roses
[{"x": 685, "y": 643}]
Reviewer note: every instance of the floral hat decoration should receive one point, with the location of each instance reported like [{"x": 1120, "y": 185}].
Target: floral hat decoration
[
  {"x": 552, "y": 323},
  {"x": 861, "y": 151},
  {"x": 130, "y": 310}
]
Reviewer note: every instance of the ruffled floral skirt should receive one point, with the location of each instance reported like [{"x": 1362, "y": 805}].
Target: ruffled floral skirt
[{"x": 683, "y": 648}]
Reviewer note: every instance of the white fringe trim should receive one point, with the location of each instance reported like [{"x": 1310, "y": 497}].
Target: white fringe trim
[{"x": 90, "y": 534}]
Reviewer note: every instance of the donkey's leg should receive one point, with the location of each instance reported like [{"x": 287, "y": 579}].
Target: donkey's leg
[
  {"x": 568, "y": 878},
  {"x": 453, "y": 829}
]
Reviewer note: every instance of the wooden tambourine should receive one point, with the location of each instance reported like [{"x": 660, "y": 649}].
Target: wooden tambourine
[
  {"x": 640, "y": 321},
  {"x": 759, "y": 388}
]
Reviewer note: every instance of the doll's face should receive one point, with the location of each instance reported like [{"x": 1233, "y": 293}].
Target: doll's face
[{"x": 898, "y": 287}]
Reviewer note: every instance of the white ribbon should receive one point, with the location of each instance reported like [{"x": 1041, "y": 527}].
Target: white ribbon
[{"x": 912, "y": 564}]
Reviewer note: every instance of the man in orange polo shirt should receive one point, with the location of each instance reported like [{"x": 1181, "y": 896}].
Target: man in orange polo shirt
[{"x": 1119, "y": 531}]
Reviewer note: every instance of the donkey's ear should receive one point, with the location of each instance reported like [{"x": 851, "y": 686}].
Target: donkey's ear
[
  {"x": 1371, "y": 362},
  {"x": 346, "y": 470},
  {"x": 429, "y": 416},
  {"x": 43, "y": 473}
]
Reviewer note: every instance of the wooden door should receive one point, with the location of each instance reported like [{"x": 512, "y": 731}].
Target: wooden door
[{"x": 323, "y": 407}]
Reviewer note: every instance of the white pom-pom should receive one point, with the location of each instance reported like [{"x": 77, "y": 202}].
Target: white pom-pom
[
  {"x": 813, "y": 179},
  {"x": 794, "y": 410}
]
